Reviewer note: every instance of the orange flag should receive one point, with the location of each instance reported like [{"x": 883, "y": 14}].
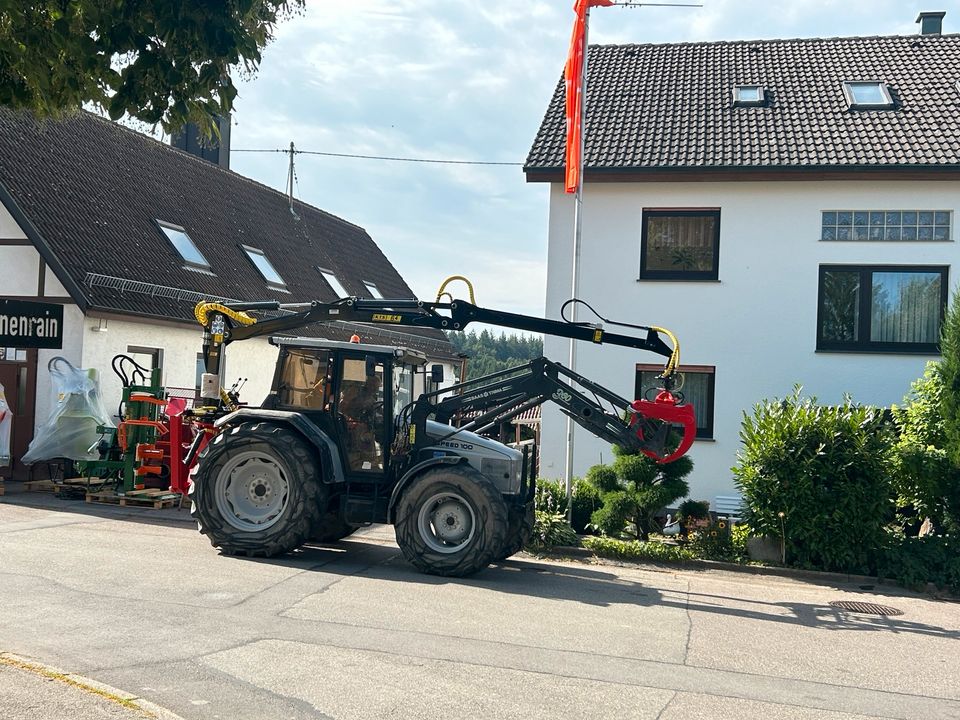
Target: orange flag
[{"x": 573, "y": 73}]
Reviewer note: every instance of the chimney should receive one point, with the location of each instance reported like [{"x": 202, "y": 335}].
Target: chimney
[
  {"x": 190, "y": 140},
  {"x": 931, "y": 23}
]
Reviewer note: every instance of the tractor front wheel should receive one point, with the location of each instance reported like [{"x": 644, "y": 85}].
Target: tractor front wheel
[
  {"x": 451, "y": 521},
  {"x": 255, "y": 491}
]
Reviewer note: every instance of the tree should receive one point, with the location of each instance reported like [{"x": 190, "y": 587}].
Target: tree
[
  {"x": 633, "y": 489},
  {"x": 490, "y": 353},
  {"x": 160, "y": 61},
  {"x": 950, "y": 376}
]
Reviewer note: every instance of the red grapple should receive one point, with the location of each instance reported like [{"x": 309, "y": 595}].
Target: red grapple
[{"x": 666, "y": 409}]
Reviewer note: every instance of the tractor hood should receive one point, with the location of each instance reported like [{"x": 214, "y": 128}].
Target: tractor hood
[{"x": 501, "y": 464}]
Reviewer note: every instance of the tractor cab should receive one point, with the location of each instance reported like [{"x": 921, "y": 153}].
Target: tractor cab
[{"x": 352, "y": 391}]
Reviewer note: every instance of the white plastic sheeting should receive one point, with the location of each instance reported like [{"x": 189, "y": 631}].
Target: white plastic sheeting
[
  {"x": 6, "y": 423},
  {"x": 71, "y": 430}
]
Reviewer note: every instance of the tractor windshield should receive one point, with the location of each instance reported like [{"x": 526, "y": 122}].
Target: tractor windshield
[{"x": 402, "y": 387}]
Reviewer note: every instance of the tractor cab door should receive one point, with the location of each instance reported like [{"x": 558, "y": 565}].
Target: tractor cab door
[{"x": 360, "y": 408}]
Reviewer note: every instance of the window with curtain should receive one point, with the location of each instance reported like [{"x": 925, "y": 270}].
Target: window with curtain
[
  {"x": 881, "y": 308},
  {"x": 680, "y": 244},
  {"x": 696, "y": 388}
]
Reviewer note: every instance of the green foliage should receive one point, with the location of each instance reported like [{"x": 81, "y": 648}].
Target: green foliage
[
  {"x": 913, "y": 562},
  {"x": 161, "y": 61},
  {"x": 552, "y": 530},
  {"x": 490, "y": 353},
  {"x": 586, "y": 501},
  {"x": 825, "y": 469},
  {"x": 949, "y": 372},
  {"x": 926, "y": 481},
  {"x": 713, "y": 542},
  {"x": 633, "y": 489},
  {"x": 739, "y": 534},
  {"x": 693, "y": 510},
  {"x": 550, "y": 496},
  {"x": 636, "y": 550}
]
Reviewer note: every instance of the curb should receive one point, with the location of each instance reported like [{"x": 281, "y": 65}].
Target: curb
[
  {"x": 89, "y": 685},
  {"x": 785, "y": 572}
]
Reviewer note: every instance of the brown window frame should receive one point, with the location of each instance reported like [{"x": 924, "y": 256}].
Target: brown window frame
[{"x": 704, "y": 432}]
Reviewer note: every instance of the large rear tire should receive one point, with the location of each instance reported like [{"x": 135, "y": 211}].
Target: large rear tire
[
  {"x": 451, "y": 521},
  {"x": 255, "y": 490},
  {"x": 519, "y": 531}
]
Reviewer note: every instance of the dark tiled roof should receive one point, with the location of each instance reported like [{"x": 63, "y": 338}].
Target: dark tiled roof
[
  {"x": 671, "y": 106},
  {"x": 92, "y": 190}
]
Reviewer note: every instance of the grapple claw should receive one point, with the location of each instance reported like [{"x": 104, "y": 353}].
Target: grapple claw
[{"x": 668, "y": 411}]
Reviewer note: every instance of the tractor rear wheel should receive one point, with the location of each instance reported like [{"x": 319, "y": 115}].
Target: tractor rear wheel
[
  {"x": 519, "y": 532},
  {"x": 255, "y": 491},
  {"x": 451, "y": 521}
]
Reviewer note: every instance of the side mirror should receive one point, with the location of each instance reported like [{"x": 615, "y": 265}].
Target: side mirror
[{"x": 436, "y": 373}]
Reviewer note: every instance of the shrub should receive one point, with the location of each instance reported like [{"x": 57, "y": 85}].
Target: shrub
[
  {"x": 693, "y": 510},
  {"x": 739, "y": 534},
  {"x": 586, "y": 501},
  {"x": 636, "y": 550},
  {"x": 713, "y": 541},
  {"x": 551, "y": 497},
  {"x": 913, "y": 562},
  {"x": 552, "y": 530},
  {"x": 926, "y": 481},
  {"x": 633, "y": 489},
  {"x": 949, "y": 371},
  {"x": 824, "y": 468}
]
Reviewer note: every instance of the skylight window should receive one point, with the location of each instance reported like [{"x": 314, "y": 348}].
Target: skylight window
[
  {"x": 338, "y": 289},
  {"x": 749, "y": 95},
  {"x": 269, "y": 272},
  {"x": 374, "y": 290},
  {"x": 183, "y": 244},
  {"x": 871, "y": 95}
]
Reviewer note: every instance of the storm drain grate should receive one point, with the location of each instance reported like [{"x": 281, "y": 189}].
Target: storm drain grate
[{"x": 865, "y": 607}]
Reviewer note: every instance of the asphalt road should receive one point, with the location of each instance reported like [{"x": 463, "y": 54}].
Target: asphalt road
[{"x": 351, "y": 631}]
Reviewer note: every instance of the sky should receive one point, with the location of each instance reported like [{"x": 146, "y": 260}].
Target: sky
[{"x": 468, "y": 80}]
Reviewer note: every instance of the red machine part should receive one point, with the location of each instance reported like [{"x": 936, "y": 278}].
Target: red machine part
[{"x": 666, "y": 408}]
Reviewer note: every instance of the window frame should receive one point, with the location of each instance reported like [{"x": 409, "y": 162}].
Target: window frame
[
  {"x": 373, "y": 289},
  {"x": 163, "y": 226},
  {"x": 324, "y": 272},
  {"x": 864, "y": 344},
  {"x": 706, "y": 433},
  {"x": 852, "y": 103},
  {"x": 739, "y": 101},
  {"x": 884, "y": 228},
  {"x": 712, "y": 275},
  {"x": 249, "y": 251}
]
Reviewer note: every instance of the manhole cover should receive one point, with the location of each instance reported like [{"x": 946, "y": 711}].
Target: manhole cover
[{"x": 865, "y": 607}]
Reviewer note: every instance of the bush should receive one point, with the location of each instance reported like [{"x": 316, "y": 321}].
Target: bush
[
  {"x": 552, "y": 530},
  {"x": 913, "y": 562},
  {"x": 551, "y": 497},
  {"x": 633, "y": 489},
  {"x": 926, "y": 481},
  {"x": 636, "y": 550},
  {"x": 713, "y": 542},
  {"x": 586, "y": 501},
  {"x": 824, "y": 469}
]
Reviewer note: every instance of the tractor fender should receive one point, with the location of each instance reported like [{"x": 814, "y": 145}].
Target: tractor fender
[
  {"x": 326, "y": 448},
  {"x": 408, "y": 476}
]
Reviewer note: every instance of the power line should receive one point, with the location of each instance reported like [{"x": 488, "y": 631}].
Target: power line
[{"x": 378, "y": 157}]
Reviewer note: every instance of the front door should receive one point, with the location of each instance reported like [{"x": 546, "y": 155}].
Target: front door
[
  {"x": 18, "y": 373},
  {"x": 360, "y": 407}
]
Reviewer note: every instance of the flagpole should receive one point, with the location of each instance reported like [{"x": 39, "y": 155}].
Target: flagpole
[{"x": 575, "y": 270}]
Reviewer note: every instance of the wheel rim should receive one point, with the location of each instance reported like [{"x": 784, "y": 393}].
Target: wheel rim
[
  {"x": 251, "y": 491},
  {"x": 446, "y": 522}
]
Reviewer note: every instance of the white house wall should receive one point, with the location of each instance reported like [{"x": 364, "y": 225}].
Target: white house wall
[
  {"x": 9, "y": 229},
  {"x": 757, "y": 325},
  {"x": 19, "y": 270}
]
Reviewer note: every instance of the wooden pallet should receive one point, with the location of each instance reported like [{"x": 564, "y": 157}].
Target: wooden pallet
[
  {"x": 154, "y": 498},
  {"x": 41, "y": 486},
  {"x": 1, "y": 487}
]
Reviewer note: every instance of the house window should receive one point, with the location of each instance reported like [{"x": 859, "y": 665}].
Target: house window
[
  {"x": 680, "y": 244},
  {"x": 697, "y": 388},
  {"x": 870, "y": 95},
  {"x": 183, "y": 244},
  {"x": 374, "y": 290},
  {"x": 748, "y": 96},
  {"x": 878, "y": 308},
  {"x": 260, "y": 261},
  {"x": 893, "y": 225},
  {"x": 338, "y": 289}
]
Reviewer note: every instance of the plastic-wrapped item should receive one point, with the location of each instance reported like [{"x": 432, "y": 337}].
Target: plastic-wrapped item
[
  {"x": 6, "y": 422},
  {"x": 71, "y": 430}
]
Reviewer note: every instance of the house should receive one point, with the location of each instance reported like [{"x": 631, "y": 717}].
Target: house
[
  {"x": 129, "y": 234},
  {"x": 787, "y": 207}
]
